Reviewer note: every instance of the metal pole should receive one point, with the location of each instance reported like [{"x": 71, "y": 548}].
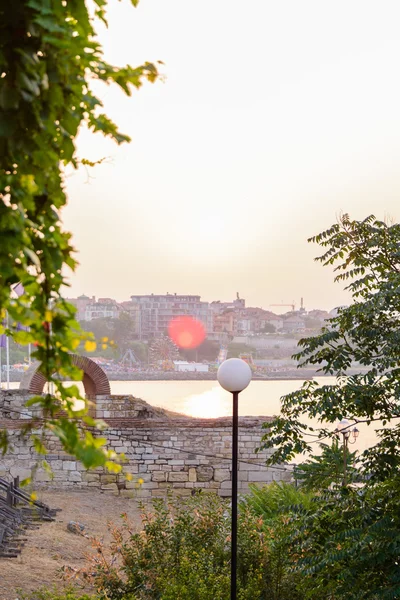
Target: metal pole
[
  {"x": 235, "y": 426},
  {"x": 344, "y": 460}
]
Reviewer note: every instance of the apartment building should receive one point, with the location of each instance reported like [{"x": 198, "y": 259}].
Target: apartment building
[
  {"x": 157, "y": 311},
  {"x": 103, "y": 308}
]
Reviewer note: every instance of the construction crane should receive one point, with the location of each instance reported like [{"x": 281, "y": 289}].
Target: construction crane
[{"x": 292, "y": 306}]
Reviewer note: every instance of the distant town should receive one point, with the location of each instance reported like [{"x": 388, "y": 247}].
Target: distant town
[
  {"x": 141, "y": 348},
  {"x": 133, "y": 343},
  {"x": 150, "y": 315},
  {"x": 139, "y": 328}
]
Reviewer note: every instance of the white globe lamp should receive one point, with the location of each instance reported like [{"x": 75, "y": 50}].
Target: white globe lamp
[
  {"x": 234, "y": 375},
  {"x": 343, "y": 424}
]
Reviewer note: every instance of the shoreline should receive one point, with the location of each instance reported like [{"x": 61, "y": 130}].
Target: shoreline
[{"x": 174, "y": 376}]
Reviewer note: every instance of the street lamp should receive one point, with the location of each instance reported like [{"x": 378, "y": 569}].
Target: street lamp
[
  {"x": 234, "y": 375},
  {"x": 343, "y": 429}
]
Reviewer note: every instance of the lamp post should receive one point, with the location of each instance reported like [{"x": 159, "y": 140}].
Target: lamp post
[
  {"x": 343, "y": 429},
  {"x": 234, "y": 375}
]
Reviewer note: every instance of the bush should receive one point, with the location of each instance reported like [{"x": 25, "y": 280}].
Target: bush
[{"x": 46, "y": 594}]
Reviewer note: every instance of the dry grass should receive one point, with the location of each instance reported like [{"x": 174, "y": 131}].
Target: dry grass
[{"x": 53, "y": 546}]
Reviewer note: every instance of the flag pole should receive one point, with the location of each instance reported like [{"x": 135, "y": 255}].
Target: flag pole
[{"x": 8, "y": 358}]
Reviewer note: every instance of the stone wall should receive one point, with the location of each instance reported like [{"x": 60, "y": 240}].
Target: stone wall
[
  {"x": 12, "y": 406},
  {"x": 164, "y": 452}
]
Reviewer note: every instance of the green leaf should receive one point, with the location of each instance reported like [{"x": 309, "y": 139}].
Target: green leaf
[{"x": 9, "y": 98}]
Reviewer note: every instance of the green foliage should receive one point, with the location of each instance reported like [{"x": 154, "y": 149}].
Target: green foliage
[
  {"x": 46, "y": 594},
  {"x": 366, "y": 255},
  {"x": 276, "y": 499},
  {"x": 183, "y": 553},
  {"x": 49, "y": 56},
  {"x": 118, "y": 331},
  {"x": 208, "y": 350},
  {"x": 347, "y": 548},
  {"x": 320, "y": 472},
  {"x": 277, "y": 504}
]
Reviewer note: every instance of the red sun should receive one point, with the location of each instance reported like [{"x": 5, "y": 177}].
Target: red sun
[{"x": 186, "y": 332}]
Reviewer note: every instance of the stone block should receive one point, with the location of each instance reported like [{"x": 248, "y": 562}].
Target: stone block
[
  {"x": 173, "y": 476},
  {"x": 91, "y": 477},
  {"x": 222, "y": 475},
  {"x": 158, "y": 476},
  {"x": 69, "y": 465},
  {"x": 75, "y": 476},
  {"x": 226, "y": 485},
  {"x": 108, "y": 479},
  {"x": 182, "y": 492},
  {"x": 192, "y": 475},
  {"x": 204, "y": 473},
  {"x": 42, "y": 476},
  {"x": 249, "y": 467},
  {"x": 264, "y": 475},
  {"x": 20, "y": 472}
]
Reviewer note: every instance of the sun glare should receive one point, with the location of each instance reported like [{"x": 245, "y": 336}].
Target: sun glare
[{"x": 210, "y": 404}]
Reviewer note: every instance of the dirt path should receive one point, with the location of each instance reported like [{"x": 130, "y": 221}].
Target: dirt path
[{"x": 52, "y": 546}]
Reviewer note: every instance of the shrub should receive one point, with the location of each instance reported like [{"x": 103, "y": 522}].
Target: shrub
[
  {"x": 46, "y": 594},
  {"x": 183, "y": 553}
]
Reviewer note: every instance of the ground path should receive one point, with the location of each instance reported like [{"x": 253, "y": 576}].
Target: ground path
[{"x": 52, "y": 546}]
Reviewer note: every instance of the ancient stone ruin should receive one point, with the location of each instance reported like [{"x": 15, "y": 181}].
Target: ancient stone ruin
[{"x": 164, "y": 450}]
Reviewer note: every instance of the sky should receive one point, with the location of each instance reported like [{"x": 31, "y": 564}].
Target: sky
[{"x": 271, "y": 120}]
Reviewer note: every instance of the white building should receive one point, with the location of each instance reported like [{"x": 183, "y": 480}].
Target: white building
[
  {"x": 103, "y": 308},
  {"x": 182, "y": 366}
]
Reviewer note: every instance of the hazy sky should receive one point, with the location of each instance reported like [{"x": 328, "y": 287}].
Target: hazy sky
[{"x": 274, "y": 117}]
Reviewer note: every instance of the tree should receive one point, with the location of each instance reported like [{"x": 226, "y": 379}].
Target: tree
[
  {"x": 123, "y": 331},
  {"x": 320, "y": 472},
  {"x": 366, "y": 256},
  {"x": 208, "y": 350},
  {"x": 348, "y": 546},
  {"x": 49, "y": 55}
]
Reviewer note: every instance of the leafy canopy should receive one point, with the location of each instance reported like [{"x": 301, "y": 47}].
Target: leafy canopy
[
  {"x": 364, "y": 336},
  {"x": 49, "y": 56}
]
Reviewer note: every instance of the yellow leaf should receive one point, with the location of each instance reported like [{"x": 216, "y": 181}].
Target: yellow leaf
[
  {"x": 104, "y": 346},
  {"x": 33, "y": 496},
  {"x": 140, "y": 481},
  {"x": 90, "y": 346},
  {"x": 48, "y": 316},
  {"x": 104, "y": 339},
  {"x": 129, "y": 477}
]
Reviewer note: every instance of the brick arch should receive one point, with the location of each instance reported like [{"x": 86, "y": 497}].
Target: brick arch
[{"x": 95, "y": 381}]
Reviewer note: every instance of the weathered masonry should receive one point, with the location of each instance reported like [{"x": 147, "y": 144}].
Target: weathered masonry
[{"x": 167, "y": 452}]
